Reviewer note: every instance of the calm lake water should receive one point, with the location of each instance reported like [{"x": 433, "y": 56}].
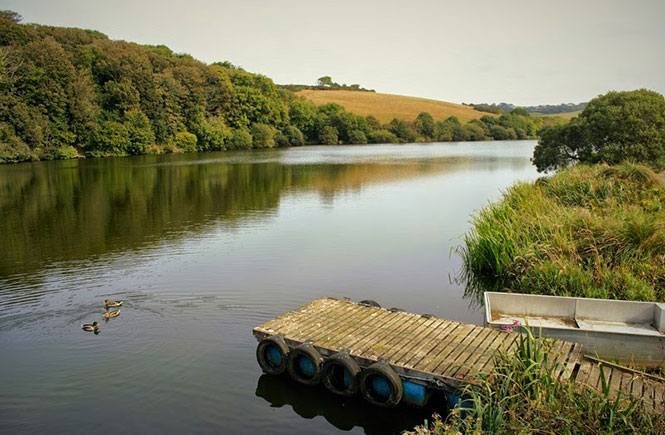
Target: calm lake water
[{"x": 203, "y": 247}]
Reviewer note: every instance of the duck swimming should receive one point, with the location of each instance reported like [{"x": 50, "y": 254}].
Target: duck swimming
[
  {"x": 111, "y": 314},
  {"x": 91, "y": 327},
  {"x": 114, "y": 304}
]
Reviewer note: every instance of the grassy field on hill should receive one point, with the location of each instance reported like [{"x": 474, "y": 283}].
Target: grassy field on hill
[
  {"x": 567, "y": 116},
  {"x": 385, "y": 107}
]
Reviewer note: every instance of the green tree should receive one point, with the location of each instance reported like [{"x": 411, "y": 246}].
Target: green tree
[
  {"x": 325, "y": 81},
  {"x": 328, "y": 136},
  {"x": 140, "y": 134},
  {"x": 357, "y": 137},
  {"x": 263, "y": 136},
  {"x": 614, "y": 127},
  {"x": 402, "y": 130},
  {"x": 186, "y": 141},
  {"x": 424, "y": 125},
  {"x": 294, "y": 136},
  {"x": 240, "y": 139},
  {"x": 110, "y": 138},
  {"x": 382, "y": 136}
]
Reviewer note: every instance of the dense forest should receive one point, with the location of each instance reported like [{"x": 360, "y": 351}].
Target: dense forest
[{"x": 67, "y": 92}]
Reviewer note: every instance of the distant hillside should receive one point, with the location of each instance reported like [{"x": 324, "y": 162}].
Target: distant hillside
[
  {"x": 543, "y": 109},
  {"x": 385, "y": 107},
  {"x": 564, "y": 115}
]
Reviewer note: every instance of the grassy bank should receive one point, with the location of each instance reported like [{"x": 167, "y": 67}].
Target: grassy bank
[
  {"x": 589, "y": 231},
  {"x": 520, "y": 395}
]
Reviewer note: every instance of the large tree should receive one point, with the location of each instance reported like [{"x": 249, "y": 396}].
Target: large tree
[{"x": 614, "y": 127}]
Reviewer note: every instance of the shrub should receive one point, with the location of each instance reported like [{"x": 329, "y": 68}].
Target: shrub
[
  {"x": 294, "y": 136},
  {"x": 263, "y": 136},
  {"x": 109, "y": 138},
  {"x": 186, "y": 141},
  {"x": 357, "y": 137},
  {"x": 12, "y": 148},
  {"x": 328, "y": 136},
  {"x": 57, "y": 153},
  {"x": 240, "y": 139},
  {"x": 140, "y": 133},
  {"x": 383, "y": 136}
]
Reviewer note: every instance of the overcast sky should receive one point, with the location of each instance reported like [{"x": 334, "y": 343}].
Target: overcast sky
[{"x": 519, "y": 51}]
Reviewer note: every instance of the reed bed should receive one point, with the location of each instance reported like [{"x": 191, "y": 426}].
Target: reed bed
[
  {"x": 520, "y": 395},
  {"x": 588, "y": 231}
]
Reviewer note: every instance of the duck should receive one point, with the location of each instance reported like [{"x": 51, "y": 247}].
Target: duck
[
  {"x": 114, "y": 304},
  {"x": 111, "y": 314},
  {"x": 90, "y": 327}
]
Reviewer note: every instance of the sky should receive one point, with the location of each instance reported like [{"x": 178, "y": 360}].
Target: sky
[{"x": 524, "y": 52}]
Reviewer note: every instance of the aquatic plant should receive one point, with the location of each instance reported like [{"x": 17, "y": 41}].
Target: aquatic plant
[
  {"x": 520, "y": 394},
  {"x": 588, "y": 231}
]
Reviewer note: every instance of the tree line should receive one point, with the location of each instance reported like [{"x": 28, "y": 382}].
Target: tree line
[
  {"x": 543, "y": 109},
  {"x": 67, "y": 92}
]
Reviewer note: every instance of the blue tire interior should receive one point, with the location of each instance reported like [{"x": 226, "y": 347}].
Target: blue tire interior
[
  {"x": 306, "y": 367},
  {"x": 379, "y": 388},
  {"x": 339, "y": 377},
  {"x": 273, "y": 355}
]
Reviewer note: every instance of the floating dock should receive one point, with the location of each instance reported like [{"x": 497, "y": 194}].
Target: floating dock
[{"x": 426, "y": 353}]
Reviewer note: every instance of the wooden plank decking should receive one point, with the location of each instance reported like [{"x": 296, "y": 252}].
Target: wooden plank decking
[
  {"x": 428, "y": 348},
  {"x": 447, "y": 353}
]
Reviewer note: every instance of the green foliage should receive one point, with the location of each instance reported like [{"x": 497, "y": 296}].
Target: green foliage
[
  {"x": 357, "y": 137},
  {"x": 294, "y": 136},
  {"x": 402, "y": 130},
  {"x": 522, "y": 394},
  {"x": 186, "y": 141},
  {"x": 240, "y": 139},
  {"x": 140, "y": 133},
  {"x": 382, "y": 136},
  {"x": 614, "y": 127},
  {"x": 263, "y": 136},
  {"x": 63, "y": 88},
  {"x": 424, "y": 125},
  {"x": 110, "y": 138},
  {"x": 328, "y": 136},
  {"x": 588, "y": 231}
]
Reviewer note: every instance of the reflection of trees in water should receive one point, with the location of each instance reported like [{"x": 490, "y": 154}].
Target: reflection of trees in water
[
  {"x": 343, "y": 413},
  {"x": 55, "y": 211}
]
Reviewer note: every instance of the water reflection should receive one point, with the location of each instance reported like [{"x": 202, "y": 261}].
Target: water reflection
[
  {"x": 73, "y": 210},
  {"x": 343, "y": 413}
]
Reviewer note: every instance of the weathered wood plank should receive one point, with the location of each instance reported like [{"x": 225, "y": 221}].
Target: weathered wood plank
[
  {"x": 471, "y": 351},
  {"x": 429, "y": 340},
  {"x": 378, "y": 336},
  {"x": 432, "y": 347},
  {"x": 443, "y": 365}
]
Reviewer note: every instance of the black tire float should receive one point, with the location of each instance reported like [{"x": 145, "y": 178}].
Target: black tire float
[
  {"x": 271, "y": 353},
  {"x": 340, "y": 374},
  {"x": 380, "y": 385},
  {"x": 370, "y": 303},
  {"x": 304, "y": 364},
  {"x": 395, "y": 309}
]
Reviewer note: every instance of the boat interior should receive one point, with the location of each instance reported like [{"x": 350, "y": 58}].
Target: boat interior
[{"x": 627, "y": 317}]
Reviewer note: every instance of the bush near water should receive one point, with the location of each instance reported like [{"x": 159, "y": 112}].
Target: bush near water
[{"x": 588, "y": 231}]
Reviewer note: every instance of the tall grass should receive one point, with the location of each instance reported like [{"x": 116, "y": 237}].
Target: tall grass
[
  {"x": 589, "y": 231},
  {"x": 521, "y": 395}
]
